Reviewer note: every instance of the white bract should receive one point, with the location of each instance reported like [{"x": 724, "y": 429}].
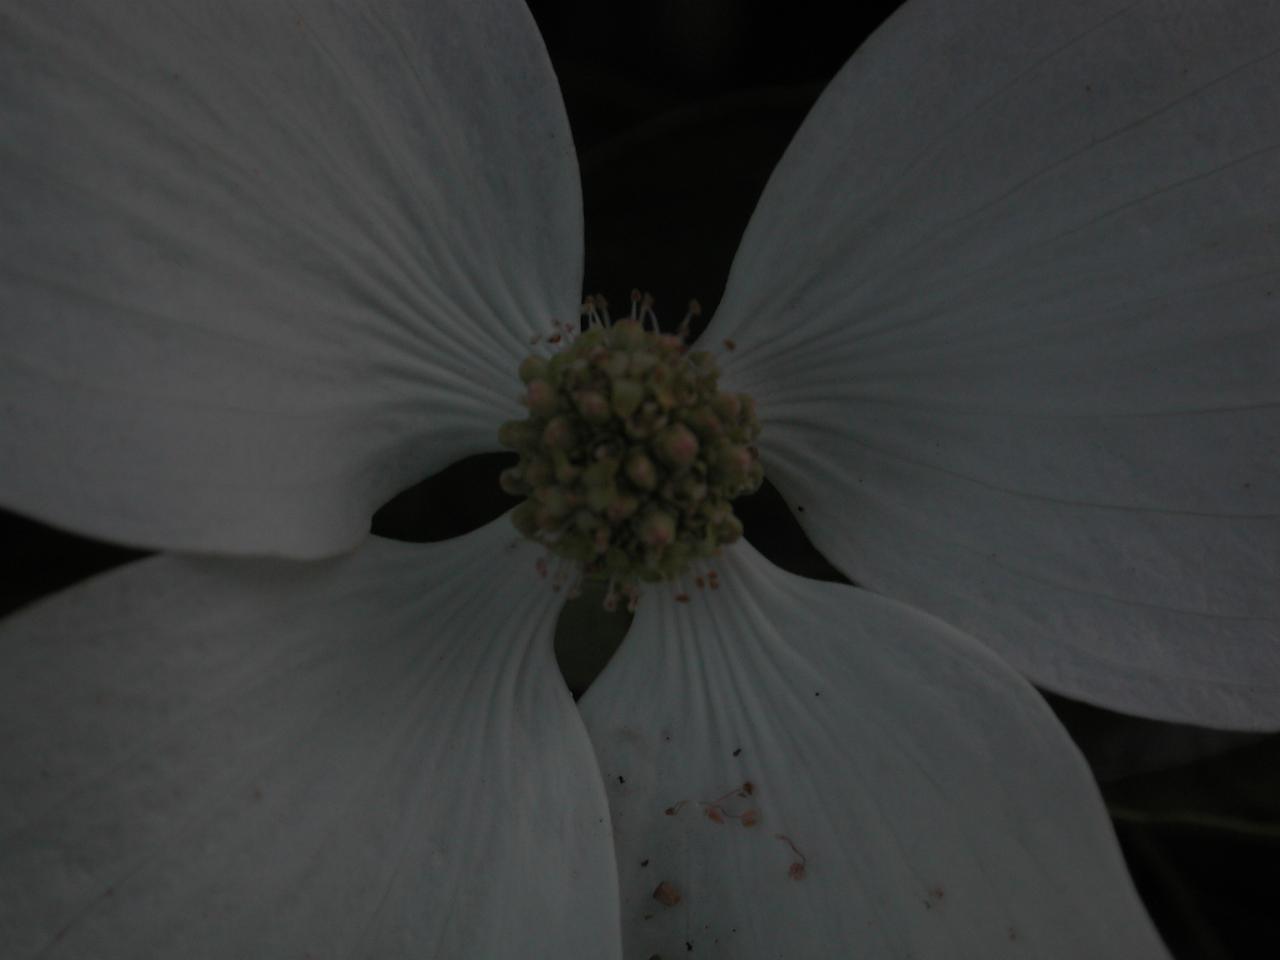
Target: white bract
[{"x": 1008, "y": 312}]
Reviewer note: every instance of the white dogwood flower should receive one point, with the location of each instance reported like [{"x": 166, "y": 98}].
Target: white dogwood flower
[{"x": 1007, "y": 313}]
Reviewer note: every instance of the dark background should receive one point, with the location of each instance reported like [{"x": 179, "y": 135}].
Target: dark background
[{"x": 680, "y": 109}]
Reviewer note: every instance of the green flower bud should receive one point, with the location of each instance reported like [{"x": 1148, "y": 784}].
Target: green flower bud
[
  {"x": 616, "y": 365},
  {"x": 692, "y": 490},
  {"x": 641, "y": 363},
  {"x": 627, "y": 395},
  {"x": 729, "y": 530},
  {"x": 556, "y": 367},
  {"x": 533, "y": 368},
  {"x": 553, "y": 499},
  {"x": 524, "y": 518},
  {"x": 626, "y": 335},
  {"x": 515, "y": 434},
  {"x": 665, "y": 395},
  {"x": 590, "y": 340}
]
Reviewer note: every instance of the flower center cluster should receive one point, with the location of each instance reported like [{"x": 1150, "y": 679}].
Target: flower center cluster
[{"x": 630, "y": 454}]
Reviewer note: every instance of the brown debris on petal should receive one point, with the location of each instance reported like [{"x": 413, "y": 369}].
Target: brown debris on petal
[{"x": 666, "y": 894}]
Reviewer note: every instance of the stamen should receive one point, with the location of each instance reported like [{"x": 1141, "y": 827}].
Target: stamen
[
  {"x": 611, "y": 595},
  {"x": 717, "y": 812},
  {"x": 646, "y": 313},
  {"x": 695, "y": 310},
  {"x": 796, "y": 870}
]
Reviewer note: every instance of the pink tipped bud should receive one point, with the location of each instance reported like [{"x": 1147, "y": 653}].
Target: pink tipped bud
[
  {"x": 735, "y": 462},
  {"x": 641, "y": 472},
  {"x": 541, "y": 398},
  {"x": 693, "y": 491},
  {"x": 678, "y": 445},
  {"x": 558, "y": 434},
  {"x": 705, "y": 422},
  {"x": 728, "y": 406},
  {"x": 657, "y": 529},
  {"x": 592, "y": 405}
]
